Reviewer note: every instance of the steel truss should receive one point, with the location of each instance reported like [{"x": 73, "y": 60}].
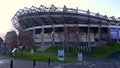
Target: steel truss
[
  {"x": 33, "y": 14},
  {"x": 44, "y": 17}
]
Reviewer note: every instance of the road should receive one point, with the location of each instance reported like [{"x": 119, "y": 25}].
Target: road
[
  {"x": 5, "y": 63},
  {"x": 91, "y": 64},
  {"x": 103, "y": 63}
]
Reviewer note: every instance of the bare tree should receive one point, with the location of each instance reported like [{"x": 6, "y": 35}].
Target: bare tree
[
  {"x": 11, "y": 39},
  {"x": 1, "y": 40},
  {"x": 26, "y": 38}
]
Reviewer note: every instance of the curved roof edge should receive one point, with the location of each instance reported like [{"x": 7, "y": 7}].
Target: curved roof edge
[{"x": 53, "y": 8}]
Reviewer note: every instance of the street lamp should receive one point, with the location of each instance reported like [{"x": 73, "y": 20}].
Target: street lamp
[
  {"x": 52, "y": 38},
  {"x": 41, "y": 38},
  {"x": 77, "y": 39}
]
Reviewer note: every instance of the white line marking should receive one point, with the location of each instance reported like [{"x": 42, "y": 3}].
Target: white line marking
[{"x": 92, "y": 65}]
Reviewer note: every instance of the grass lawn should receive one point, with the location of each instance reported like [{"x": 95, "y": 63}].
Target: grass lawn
[
  {"x": 96, "y": 52},
  {"x": 34, "y": 48},
  {"x": 99, "y": 53},
  {"x": 118, "y": 56},
  {"x": 42, "y": 57},
  {"x": 68, "y": 50}
]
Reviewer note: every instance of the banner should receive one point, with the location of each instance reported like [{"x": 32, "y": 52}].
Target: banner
[
  {"x": 119, "y": 33},
  {"x": 80, "y": 56},
  {"x": 113, "y": 33},
  {"x": 61, "y": 54}
]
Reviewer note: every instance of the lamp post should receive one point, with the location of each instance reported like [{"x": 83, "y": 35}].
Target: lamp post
[
  {"x": 41, "y": 38},
  {"x": 52, "y": 38},
  {"x": 77, "y": 39},
  {"x": 10, "y": 46}
]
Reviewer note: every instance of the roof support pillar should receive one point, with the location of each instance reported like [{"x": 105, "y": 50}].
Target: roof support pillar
[
  {"x": 89, "y": 38},
  {"x": 53, "y": 35},
  {"x": 99, "y": 32},
  {"x": 42, "y": 36}
]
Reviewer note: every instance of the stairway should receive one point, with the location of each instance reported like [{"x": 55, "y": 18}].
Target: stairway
[{"x": 43, "y": 48}]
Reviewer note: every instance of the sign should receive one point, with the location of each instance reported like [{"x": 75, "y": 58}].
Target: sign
[
  {"x": 119, "y": 33},
  {"x": 13, "y": 51},
  {"x": 80, "y": 56},
  {"x": 61, "y": 54},
  {"x": 113, "y": 33},
  {"x": 32, "y": 51}
]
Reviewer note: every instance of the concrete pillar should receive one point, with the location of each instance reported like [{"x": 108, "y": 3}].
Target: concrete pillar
[
  {"x": 99, "y": 31},
  {"x": 53, "y": 35},
  {"x": 77, "y": 38},
  {"x": 42, "y": 37},
  {"x": 109, "y": 38},
  {"x": 65, "y": 38},
  {"x": 33, "y": 36},
  {"x": 109, "y": 35},
  {"x": 89, "y": 37}
]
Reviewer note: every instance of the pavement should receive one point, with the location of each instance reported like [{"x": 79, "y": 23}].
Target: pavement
[
  {"x": 43, "y": 48},
  {"x": 89, "y": 63},
  {"x": 115, "y": 55}
]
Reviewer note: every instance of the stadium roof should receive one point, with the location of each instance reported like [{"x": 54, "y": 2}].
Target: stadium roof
[{"x": 37, "y": 16}]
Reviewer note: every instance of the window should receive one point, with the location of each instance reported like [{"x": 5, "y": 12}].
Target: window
[
  {"x": 59, "y": 29},
  {"x": 48, "y": 30},
  {"x": 38, "y": 31}
]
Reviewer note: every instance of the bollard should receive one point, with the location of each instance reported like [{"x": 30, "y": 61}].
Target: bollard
[
  {"x": 34, "y": 63},
  {"x": 48, "y": 61},
  {"x": 11, "y": 63}
]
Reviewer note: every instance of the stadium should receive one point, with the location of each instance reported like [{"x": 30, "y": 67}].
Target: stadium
[{"x": 67, "y": 26}]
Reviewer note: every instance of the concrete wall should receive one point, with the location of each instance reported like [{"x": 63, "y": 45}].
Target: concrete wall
[{"x": 59, "y": 37}]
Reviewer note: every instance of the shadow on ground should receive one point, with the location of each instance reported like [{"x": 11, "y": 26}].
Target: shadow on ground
[{"x": 114, "y": 55}]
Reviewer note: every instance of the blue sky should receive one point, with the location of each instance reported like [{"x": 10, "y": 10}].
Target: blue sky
[{"x": 9, "y": 7}]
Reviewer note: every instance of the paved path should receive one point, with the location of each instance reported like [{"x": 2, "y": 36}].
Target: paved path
[
  {"x": 114, "y": 55},
  {"x": 5, "y": 63},
  {"x": 89, "y": 63}
]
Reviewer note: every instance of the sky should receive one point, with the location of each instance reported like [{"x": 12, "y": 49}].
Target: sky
[{"x": 8, "y": 8}]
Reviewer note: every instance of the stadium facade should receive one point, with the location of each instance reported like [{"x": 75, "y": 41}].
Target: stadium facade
[{"x": 67, "y": 26}]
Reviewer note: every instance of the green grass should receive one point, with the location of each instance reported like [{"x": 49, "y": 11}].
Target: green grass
[
  {"x": 118, "y": 56},
  {"x": 68, "y": 50},
  {"x": 102, "y": 53},
  {"x": 42, "y": 57},
  {"x": 96, "y": 52},
  {"x": 52, "y": 49},
  {"x": 34, "y": 48}
]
